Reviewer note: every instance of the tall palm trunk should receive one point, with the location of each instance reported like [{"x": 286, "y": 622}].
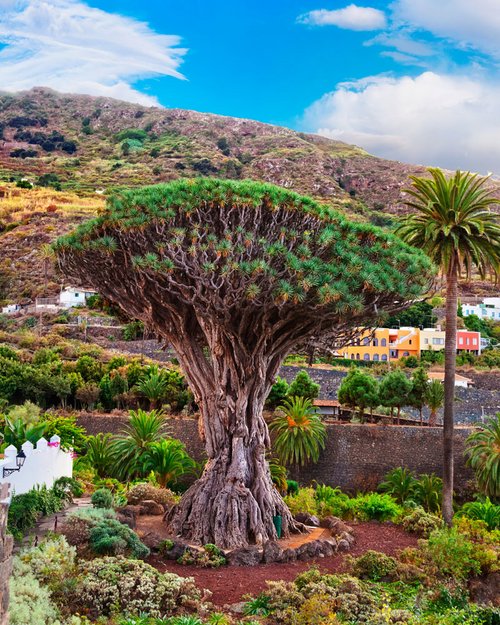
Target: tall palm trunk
[{"x": 450, "y": 359}]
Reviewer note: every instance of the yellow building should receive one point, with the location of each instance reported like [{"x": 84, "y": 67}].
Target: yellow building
[
  {"x": 384, "y": 344},
  {"x": 431, "y": 339},
  {"x": 371, "y": 345}
]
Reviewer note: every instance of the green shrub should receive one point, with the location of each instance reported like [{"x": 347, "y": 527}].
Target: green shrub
[
  {"x": 110, "y": 537},
  {"x": 38, "y": 577},
  {"x": 102, "y": 498},
  {"x": 420, "y": 522},
  {"x": 374, "y": 506},
  {"x": 72, "y": 435},
  {"x": 278, "y": 393},
  {"x": 113, "y": 585},
  {"x": 303, "y": 501},
  {"x": 51, "y": 562},
  {"x": 65, "y": 488},
  {"x": 26, "y": 509},
  {"x": 144, "y": 491},
  {"x": 30, "y": 602},
  {"x": 331, "y": 501},
  {"x": 482, "y": 511},
  {"x": 303, "y": 386},
  {"x": 210, "y": 556},
  {"x": 451, "y": 554},
  {"x": 373, "y": 565}
]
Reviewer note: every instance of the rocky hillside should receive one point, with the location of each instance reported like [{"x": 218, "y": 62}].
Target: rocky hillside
[
  {"x": 79, "y": 147},
  {"x": 94, "y": 143}
]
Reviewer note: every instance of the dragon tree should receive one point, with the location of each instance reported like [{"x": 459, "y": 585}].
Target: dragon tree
[{"x": 234, "y": 275}]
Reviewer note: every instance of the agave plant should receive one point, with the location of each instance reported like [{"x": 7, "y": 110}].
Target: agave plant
[
  {"x": 400, "y": 483},
  {"x": 168, "y": 460},
  {"x": 483, "y": 452},
  {"x": 300, "y": 434},
  {"x": 143, "y": 429}
]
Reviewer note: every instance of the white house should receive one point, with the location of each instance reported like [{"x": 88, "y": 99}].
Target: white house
[
  {"x": 460, "y": 380},
  {"x": 72, "y": 296},
  {"x": 39, "y": 465},
  {"x": 488, "y": 309},
  {"x": 11, "y": 309}
]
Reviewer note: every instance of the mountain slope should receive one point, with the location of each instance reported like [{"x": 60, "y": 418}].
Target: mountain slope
[
  {"x": 94, "y": 143},
  {"x": 84, "y": 144}
]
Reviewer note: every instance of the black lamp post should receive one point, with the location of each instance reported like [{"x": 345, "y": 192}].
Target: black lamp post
[{"x": 20, "y": 458}]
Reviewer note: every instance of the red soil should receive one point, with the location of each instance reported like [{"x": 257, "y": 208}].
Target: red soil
[{"x": 229, "y": 583}]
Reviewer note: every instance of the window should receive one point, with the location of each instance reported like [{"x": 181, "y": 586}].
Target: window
[
  {"x": 409, "y": 341},
  {"x": 437, "y": 341},
  {"x": 383, "y": 342},
  {"x": 384, "y": 356},
  {"x": 461, "y": 341},
  {"x": 366, "y": 341},
  {"x": 366, "y": 357},
  {"x": 467, "y": 343},
  {"x": 357, "y": 356},
  {"x": 426, "y": 341},
  {"x": 352, "y": 356},
  {"x": 358, "y": 342},
  {"x": 406, "y": 354},
  {"x": 474, "y": 341},
  {"x": 77, "y": 294},
  {"x": 375, "y": 342},
  {"x": 376, "y": 357}
]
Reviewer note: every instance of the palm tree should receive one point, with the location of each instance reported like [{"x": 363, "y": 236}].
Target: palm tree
[
  {"x": 47, "y": 255},
  {"x": 300, "y": 434},
  {"x": 168, "y": 460},
  {"x": 153, "y": 386},
  {"x": 100, "y": 454},
  {"x": 483, "y": 451},
  {"x": 434, "y": 398},
  {"x": 131, "y": 446},
  {"x": 454, "y": 225},
  {"x": 399, "y": 483}
]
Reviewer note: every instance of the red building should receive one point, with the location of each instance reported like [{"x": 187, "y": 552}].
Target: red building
[{"x": 469, "y": 341}]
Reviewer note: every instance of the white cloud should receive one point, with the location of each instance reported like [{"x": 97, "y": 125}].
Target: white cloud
[
  {"x": 352, "y": 17},
  {"x": 441, "y": 120},
  {"x": 469, "y": 23},
  {"x": 71, "y": 47}
]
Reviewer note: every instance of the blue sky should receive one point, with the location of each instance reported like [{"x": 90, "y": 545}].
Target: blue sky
[{"x": 413, "y": 80}]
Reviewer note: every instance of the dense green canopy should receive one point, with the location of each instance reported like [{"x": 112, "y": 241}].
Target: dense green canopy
[{"x": 241, "y": 250}]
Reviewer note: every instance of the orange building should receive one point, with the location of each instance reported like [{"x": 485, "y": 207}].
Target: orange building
[{"x": 385, "y": 344}]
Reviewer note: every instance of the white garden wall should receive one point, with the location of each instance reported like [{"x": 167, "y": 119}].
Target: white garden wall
[{"x": 44, "y": 464}]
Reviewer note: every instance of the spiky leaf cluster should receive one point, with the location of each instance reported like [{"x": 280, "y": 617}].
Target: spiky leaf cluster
[{"x": 243, "y": 256}]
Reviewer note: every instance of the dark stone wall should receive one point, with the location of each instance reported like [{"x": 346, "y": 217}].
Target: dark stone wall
[{"x": 356, "y": 456}]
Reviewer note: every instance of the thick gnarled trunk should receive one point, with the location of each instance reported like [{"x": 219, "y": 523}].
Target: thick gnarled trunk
[{"x": 234, "y": 501}]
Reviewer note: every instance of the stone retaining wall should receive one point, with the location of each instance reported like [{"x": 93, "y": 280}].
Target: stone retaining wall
[{"x": 356, "y": 456}]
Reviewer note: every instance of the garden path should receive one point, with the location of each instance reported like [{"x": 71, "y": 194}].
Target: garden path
[
  {"x": 50, "y": 523},
  {"x": 229, "y": 584}
]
